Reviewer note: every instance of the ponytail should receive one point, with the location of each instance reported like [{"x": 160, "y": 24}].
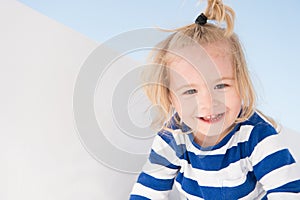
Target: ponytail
[{"x": 219, "y": 12}]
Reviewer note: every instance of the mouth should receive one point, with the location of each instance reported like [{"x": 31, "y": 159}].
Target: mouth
[{"x": 212, "y": 118}]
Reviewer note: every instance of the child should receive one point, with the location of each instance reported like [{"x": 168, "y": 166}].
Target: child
[{"x": 214, "y": 144}]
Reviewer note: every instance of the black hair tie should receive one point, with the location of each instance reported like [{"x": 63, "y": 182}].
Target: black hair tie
[{"x": 201, "y": 19}]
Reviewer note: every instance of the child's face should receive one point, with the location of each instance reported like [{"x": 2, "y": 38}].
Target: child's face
[{"x": 203, "y": 91}]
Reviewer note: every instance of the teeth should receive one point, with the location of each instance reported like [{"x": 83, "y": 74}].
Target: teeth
[{"x": 212, "y": 118}]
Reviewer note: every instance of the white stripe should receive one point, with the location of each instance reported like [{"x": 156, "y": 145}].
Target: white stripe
[
  {"x": 159, "y": 171},
  {"x": 233, "y": 175},
  {"x": 240, "y": 136},
  {"x": 184, "y": 194},
  {"x": 139, "y": 189},
  {"x": 159, "y": 144},
  {"x": 284, "y": 195},
  {"x": 162, "y": 148},
  {"x": 265, "y": 148},
  {"x": 256, "y": 194},
  {"x": 280, "y": 176}
]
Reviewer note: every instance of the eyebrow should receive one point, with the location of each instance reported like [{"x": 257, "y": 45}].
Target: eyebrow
[
  {"x": 185, "y": 86},
  {"x": 193, "y": 85},
  {"x": 225, "y": 78}
]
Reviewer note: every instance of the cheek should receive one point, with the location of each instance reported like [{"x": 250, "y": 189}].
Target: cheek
[
  {"x": 233, "y": 101},
  {"x": 185, "y": 107}
]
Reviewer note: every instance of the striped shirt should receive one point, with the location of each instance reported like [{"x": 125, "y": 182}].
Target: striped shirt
[{"x": 249, "y": 163}]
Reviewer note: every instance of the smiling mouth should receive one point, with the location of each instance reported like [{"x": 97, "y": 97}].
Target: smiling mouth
[{"x": 212, "y": 118}]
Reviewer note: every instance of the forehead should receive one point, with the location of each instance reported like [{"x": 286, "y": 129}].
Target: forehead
[{"x": 209, "y": 62}]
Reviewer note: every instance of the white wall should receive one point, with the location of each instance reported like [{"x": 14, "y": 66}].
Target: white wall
[{"x": 41, "y": 154}]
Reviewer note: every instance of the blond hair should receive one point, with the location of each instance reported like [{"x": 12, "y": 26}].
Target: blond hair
[{"x": 155, "y": 77}]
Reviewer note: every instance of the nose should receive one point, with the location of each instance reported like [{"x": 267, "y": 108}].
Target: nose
[{"x": 208, "y": 101}]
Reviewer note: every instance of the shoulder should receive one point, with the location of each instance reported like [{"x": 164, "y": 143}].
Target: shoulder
[
  {"x": 257, "y": 129},
  {"x": 170, "y": 138},
  {"x": 172, "y": 131},
  {"x": 260, "y": 127}
]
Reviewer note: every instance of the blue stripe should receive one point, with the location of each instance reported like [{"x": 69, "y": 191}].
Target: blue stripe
[
  {"x": 167, "y": 137},
  {"x": 253, "y": 120},
  {"x": 293, "y": 187},
  {"x": 278, "y": 159},
  {"x": 217, "y": 162},
  {"x": 137, "y": 197},
  {"x": 155, "y": 183},
  {"x": 191, "y": 187},
  {"x": 217, "y": 146},
  {"x": 158, "y": 159},
  {"x": 242, "y": 190}
]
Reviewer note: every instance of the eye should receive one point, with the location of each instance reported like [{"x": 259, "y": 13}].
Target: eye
[
  {"x": 191, "y": 91},
  {"x": 221, "y": 86}
]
